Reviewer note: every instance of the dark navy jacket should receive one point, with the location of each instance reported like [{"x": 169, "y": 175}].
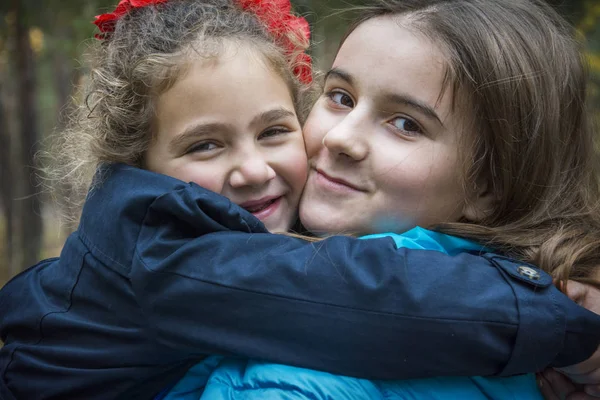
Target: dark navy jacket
[{"x": 161, "y": 273}]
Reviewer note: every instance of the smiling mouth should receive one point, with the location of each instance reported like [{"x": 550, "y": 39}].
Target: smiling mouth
[
  {"x": 335, "y": 182},
  {"x": 255, "y": 208}
]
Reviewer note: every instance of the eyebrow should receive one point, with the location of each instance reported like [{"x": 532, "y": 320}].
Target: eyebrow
[
  {"x": 195, "y": 132},
  {"x": 409, "y": 101},
  {"x": 199, "y": 130},
  {"x": 271, "y": 116},
  {"x": 340, "y": 74}
]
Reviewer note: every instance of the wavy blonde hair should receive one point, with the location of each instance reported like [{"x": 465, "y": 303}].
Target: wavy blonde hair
[
  {"x": 516, "y": 65},
  {"x": 149, "y": 50}
]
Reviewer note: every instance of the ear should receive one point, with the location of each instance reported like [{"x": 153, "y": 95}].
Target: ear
[{"x": 482, "y": 202}]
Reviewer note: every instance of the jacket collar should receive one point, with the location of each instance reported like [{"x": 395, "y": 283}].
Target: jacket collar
[{"x": 124, "y": 198}]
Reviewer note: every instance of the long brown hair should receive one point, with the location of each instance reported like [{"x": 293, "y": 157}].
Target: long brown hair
[{"x": 517, "y": 66}]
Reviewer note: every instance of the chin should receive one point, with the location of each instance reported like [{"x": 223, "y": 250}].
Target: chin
[
  {"x": 278, "y": 228},
  {"x": 309, "y": 224},
  {"x": 323, "y": 227}
]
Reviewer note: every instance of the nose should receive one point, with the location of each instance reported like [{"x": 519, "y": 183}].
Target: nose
[
  {"x": 252, "y": 171},
  {"x": 347, "y": 138}
]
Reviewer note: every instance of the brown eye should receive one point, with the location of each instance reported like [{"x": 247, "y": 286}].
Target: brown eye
[
  {"x": 203, "y": 147},
  {"x": 406, "y": 125},
  {"x": 341, "y": 98},
  {"x": 273, "y": 132}
]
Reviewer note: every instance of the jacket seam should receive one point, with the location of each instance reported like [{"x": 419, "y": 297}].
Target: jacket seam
[
  {"x": 93, "y": 248},
  {"x": 266, "y": 387},
  {"x": 43, "y": 317},
  {"x": 141, "y": 260},
  {"x": 557, "y": 329},
  {"x": 148, "y": 327}
]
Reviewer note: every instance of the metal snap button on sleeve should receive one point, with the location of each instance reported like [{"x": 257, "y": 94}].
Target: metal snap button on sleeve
[{"x": 528, "y": 272}]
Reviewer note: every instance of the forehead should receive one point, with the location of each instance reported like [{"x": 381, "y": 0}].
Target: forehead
[
  {"x": 388, "y": 54},
  {"x": 392, "y": 39},
  {"x": 236, "y": 77},
  {"x": 231, "y": 89}
]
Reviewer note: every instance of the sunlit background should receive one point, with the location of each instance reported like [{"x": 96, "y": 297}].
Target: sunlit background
[{"x": 41, "y": 43}]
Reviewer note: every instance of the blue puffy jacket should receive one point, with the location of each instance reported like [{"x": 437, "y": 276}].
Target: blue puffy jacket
[
  {"x": 220, "y": 378},
  {"x": 233, "y": 379},
  {"x": 161, "y": 274}
]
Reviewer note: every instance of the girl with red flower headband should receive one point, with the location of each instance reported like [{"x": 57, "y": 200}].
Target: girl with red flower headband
[{"x": 161, "y": 274}]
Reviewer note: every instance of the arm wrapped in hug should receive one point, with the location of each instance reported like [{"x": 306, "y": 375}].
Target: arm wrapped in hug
[
  {"x": 343, "y": 305},
  {"x": 161, "y": 274}
]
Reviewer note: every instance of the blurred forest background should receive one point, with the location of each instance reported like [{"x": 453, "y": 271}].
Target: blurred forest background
[{"x": 41, "y": 47}]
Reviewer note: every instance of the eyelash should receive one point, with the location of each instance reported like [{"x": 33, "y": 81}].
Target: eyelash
[
  {"x": 274, "y": 132},
  {"x": 197, "y": 147},
  {"x": 267, "y": 134},
  {"x": 418, "y": 131},
  {"x": 330, "y": 96}
]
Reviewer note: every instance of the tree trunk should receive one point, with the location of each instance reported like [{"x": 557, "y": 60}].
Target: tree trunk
[
  {"x": 62, "y": 79},
  {"x": 29, "y": 219},
  {"x": 6, "y": 192}
]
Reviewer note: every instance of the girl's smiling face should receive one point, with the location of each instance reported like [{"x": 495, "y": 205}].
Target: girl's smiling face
[
  {"x": 229, "y": 125},
  {"x": 383, "y": 139}
]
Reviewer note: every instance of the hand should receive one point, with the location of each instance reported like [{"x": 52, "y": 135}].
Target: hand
[
  {"x": 580, "y": 381},
  {"x": 555, "y": 386}
]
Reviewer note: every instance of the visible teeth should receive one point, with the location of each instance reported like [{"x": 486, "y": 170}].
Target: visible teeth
[{"x": 260, "y": 207}]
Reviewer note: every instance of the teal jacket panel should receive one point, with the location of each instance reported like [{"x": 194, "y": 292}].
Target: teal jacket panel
[{"x": 236, "y": 379}]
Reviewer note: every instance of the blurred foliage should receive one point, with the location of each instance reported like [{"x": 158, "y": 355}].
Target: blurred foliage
[{"x": 59, "y": 29}]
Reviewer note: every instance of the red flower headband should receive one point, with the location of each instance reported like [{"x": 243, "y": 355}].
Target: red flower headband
[{"x": 275, "y": 14}]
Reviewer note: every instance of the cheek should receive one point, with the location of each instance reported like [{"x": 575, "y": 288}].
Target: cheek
[
  {"x": 446, "y": 175},
  {"x": 296, "y": 167},
  {"x": 156, "y": 158},
  {"x": 423, "y": 175},
  {"x": 314, "y": 131},
  {"x": 208, "y": 176},
  {"x": 434, "y": 188}
]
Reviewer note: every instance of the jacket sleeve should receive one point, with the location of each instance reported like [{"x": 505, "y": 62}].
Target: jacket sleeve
[{"x": 347, "y": 306}]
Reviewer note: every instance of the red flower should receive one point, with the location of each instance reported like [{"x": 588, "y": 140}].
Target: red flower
[
  {"x": 301, "y": 26},
  {"x": 279, "y": 20},
  {"x": 275, "y": 14},
  {"x": 304, "y": 68},
  {"x": 106, "y": 22}
]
